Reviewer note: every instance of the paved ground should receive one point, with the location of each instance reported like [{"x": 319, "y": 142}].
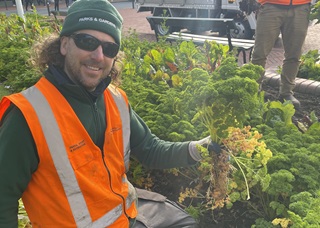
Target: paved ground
[{"x": 134, "y": 21}]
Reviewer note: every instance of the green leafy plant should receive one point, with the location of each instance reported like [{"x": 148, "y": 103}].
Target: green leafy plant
[
  {"x": 310, "y": 66},
  {"x": 315, "y": 12},
  {"x": 303, "y": 209},
  {"x": 23, "y": 219},
  {"x": 17, "y": 37},
  {"x": 3, "y": 91}
]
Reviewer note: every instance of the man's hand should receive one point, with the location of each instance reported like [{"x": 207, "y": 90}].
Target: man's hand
[{"x": 205, "y": 142}]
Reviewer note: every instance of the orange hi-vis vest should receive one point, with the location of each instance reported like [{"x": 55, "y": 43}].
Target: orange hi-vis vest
[
  {"x": 285, "y": 2},
  {"x": 76, "y": 184}
]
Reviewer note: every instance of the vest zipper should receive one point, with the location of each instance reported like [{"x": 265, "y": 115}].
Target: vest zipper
[
  {"x": 95, "y": 106},
  {"x": 98, "y": 123},
  {"x": 118, "y": 194},
  {"x": 107, "y": 169}
]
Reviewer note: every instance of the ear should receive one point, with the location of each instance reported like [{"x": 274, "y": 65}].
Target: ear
[{"x": 64, "y": 42}]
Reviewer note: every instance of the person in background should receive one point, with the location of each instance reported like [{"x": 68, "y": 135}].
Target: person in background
[
  {"x": 56, "y": 5},
  {"x": 66, "y": 141},
  {"x": 290, "y": 19},
  {"x": 29, "y": 2}
]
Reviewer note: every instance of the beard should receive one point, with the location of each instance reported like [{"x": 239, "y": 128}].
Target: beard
[{"x": 86, "y": 73}]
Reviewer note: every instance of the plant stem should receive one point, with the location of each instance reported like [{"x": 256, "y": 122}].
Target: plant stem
[{"x": 244, "y": 176}]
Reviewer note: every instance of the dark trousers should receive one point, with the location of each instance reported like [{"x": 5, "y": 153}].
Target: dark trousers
[
  {"x": 292, "y": 23},
  {"x": 56, "y": 5}
]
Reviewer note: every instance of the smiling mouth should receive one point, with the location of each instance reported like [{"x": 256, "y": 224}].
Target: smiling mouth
[{"x": 93, "y": 68}]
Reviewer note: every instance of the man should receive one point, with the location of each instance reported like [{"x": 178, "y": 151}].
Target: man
[
  {"x": 66, "y": 142},
  {"x": 290, "y": 18}
]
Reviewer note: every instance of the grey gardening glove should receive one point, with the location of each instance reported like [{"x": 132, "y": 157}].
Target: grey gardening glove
[{"x": 205, "y": 142}]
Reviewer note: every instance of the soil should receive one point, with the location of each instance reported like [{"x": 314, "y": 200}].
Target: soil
[{"x": 219, "y": 218}]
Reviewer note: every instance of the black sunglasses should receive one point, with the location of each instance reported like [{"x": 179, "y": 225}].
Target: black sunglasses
[{"x": 90, "y": 43}]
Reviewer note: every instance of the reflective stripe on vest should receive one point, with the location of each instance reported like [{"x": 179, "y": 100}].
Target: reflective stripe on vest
[
  {"x": 66, "y": 173},
  {"x": 125, "y": 119}
]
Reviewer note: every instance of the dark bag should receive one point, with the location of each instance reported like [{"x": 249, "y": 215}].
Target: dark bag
[{"x": 156, "y": 211}]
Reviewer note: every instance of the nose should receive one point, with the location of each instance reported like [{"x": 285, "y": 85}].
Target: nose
[{"x": 98, "y": 54}]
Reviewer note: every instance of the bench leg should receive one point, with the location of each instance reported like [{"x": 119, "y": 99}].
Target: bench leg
[
  {"x": 244, "y": 56},
  {"x": 229, "y": 37},
  {"x": 243, "y": 52}
]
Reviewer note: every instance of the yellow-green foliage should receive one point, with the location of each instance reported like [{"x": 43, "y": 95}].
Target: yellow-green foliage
[{"x": 17, "y": 38}]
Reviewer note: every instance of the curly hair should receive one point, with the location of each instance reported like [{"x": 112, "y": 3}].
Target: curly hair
[{"x": 47, "y": 51}]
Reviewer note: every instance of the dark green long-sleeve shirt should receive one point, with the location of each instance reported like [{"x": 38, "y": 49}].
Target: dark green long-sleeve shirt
[{"x": 18, "y": 153}]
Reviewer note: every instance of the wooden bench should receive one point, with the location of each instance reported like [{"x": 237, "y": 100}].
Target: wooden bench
[{"x": 242, "y": 45}]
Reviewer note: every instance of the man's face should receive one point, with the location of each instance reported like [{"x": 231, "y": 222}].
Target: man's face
[{"x": 86, "y": 68}]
